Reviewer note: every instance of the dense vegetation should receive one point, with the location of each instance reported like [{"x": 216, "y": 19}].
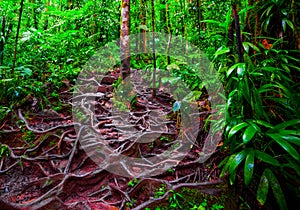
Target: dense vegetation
[{"x": 253, "y": 45}]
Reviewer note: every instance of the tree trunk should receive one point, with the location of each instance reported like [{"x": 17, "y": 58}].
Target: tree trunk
[
  {"x": 46, "y": 22},
  {"x": 125, "y": 39},
  {"x": 153, "y": 53},
  {"x": 199, "y": 14},
  {"x": 238, "y": 33},
  {"x": 17, "y": 37},
  {"x": 35, "y": 18},
  {"x": 169, "y": 32},
  {"x": 2, "y": 38},
  {"x": 143, "y": 23}
]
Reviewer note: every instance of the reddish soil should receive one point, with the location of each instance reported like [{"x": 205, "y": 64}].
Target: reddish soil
[{"x": 51, "y": 170}]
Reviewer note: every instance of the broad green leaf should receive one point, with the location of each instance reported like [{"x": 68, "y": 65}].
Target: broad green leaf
[
  {"x": 236, "y": 128},
  {"x": 290, "y": 23},
  {"x": 295, "y": 122},
  {"x": 230, "y": 125},
  {"x": 285, "y": 145},
  {"x": 246, "y": 91},
  {"x": 249, "y": 167},
  {"x": 241, "y": 69},
  {"x": 221, "y": 50},
  {"x": 248, "y": 134},
  {"x": 254, "y": 47},
  {"x": 269, "y": 9},
  {"x": 239, "y": 157},
  {"x": 266, "y": 158},
  {"x": 266, "y": 88},
  {"x": 263, "y": 188},
  {"x": 283, "y": 23},
  {"x": 230, "y": 70},
  {"x": 232, "y": 177},
  {"x": 223, "y": 162},
  {"x": 253, "y": 124},
  {"x": 292, "y": 139},
  {"x": 228, "y": 20},
  {"x": 246, "y": 46},
  {"x": 289, "y": 132},
  {"x": 257, "y": 104},
  {"x": 226, "y": 162},
  {"x": 277, "y": 191},
  {"x": 264, "y": 123}
]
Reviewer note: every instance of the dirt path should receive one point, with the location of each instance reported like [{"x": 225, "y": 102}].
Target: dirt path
[{"x": 48, "y": 167}]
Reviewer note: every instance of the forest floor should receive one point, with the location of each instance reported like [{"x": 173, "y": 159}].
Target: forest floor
[{"x": 47, "y": 167}]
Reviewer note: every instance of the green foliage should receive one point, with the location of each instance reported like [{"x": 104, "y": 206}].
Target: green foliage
[
  {"x": 4, "y": 151},
  {"x": 262, "y": 128},
  {"x": 160, "y": 191},
  {"x": 29, "y": 138},
  {"x": 192, "y": 199},
  {"x": 133, "y": 182},
  {"x": 55, "y": 41}
]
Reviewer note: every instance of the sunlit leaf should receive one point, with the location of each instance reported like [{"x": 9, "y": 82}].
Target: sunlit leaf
[
  {"x": 249, "y": 133},
  {"x": 232, "y": 177},
  {"x": 283, "y": 23},
  {"x": 264, "y": 123},
  {"x": 249, "y": 166},
  {"x": 236, "y": 161},
  {"x": 231, "y": 69},
  {"x": 241, "y": 69},
  {"x": 221, "y": 50},
  {"x": 236, "y": 128}
]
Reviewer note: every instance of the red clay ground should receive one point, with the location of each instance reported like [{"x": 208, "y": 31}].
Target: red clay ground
[{"x": 47, "y": 167}]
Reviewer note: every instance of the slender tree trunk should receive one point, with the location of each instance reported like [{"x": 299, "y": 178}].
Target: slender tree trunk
[
  {"x": 35, "y": 19},
  {"x": 153, "y": 52},
  {"x": 125, "y": 39},
  {"x": 248, "y": 17},
  {"x": 238, "y": 33},
  {"x": 182, "y": 5},
  {"x": 257, "y": 26},
  {"x": 46, "y": 22},
  {"x": 169, "y": 32},
  {"x": 296, "y": 31},
  {"x": 143, "y": 23},
  {"x": 17, "y": 37},
  {"x": 2, "y": 38},
  {"x": 199, "y": 3},
  {"x": 163, "y": 18}
]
